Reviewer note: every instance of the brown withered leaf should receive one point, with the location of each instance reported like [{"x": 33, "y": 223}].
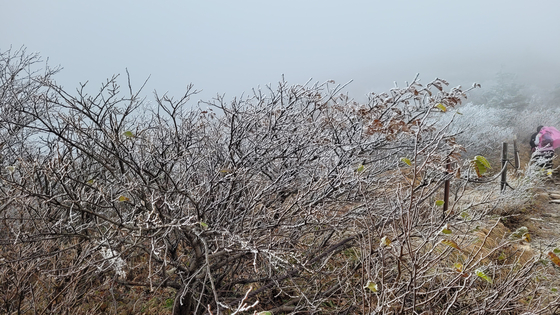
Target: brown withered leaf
[
  {"x": 554, "y": 258},
  {"x": 451, "y": 243}
]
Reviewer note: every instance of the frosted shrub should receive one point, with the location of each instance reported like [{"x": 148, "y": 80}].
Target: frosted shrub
[
  {"x": 115, "y": 262},
  {"x": 480, "y": 128},
  {"x": 526, "y": 122},
  {"x": 295, "y": 199}
]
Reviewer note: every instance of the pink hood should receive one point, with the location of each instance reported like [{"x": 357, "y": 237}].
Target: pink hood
[{"x": 548, "y": 138}]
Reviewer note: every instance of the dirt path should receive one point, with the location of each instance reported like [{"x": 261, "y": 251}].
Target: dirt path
[{"x": 543, "y": 218}]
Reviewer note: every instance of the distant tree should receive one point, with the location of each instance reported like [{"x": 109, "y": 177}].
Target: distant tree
[
  {"x": 555, "y": 95},
  {"x": 506, "y": 93}
]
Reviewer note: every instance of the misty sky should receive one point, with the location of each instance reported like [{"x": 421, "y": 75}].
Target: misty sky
[{"x": 232, "y": 46}]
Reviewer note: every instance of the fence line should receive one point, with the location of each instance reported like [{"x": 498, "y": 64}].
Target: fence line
[{"x": 502, "y": 173}]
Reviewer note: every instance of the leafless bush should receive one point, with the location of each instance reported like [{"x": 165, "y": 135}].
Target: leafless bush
[{"x": 296, "y": 199}]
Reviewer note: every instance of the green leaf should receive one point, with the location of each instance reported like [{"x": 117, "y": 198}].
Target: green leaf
[
  {"x": 554, "y": 290},
  {"x": 372, "y": 286},
  {"x": 480, "y": 169},
  {"x": 481, "y": 165},
  {"x": 123, "y": 198},
  {"x": 128, "y": 134},
  {"x": 360, "y": 168},
  {"x": 483, "y": 275},
  {"x": 446, "y": 229},
  {"x": 406, "y": 160},
  {"x": 459, "y": 113},
  {"x": 11, "y": 168},
  {"x": 204, "y": 225},
  {"x": 264, "y": 313},
  {"x": 440, "y": 203},
  {"x": 556, "y": 251},
  {"x": 482, "y": 160},
  {"x": 441, "y": 107}
]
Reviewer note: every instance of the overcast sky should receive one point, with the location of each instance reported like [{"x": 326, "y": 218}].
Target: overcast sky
[{"x": 234, "y": 45}]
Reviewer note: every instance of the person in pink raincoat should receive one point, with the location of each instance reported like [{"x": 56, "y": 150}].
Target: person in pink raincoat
[
  {"x": 544, "y": 142},
  {"x": 532, "y": 142}
]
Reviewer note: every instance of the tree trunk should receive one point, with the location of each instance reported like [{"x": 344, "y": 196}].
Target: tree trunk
[{"x": 183, "y": 305}]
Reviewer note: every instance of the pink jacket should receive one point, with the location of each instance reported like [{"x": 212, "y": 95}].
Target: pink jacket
[{"x": 548, "y": 139}]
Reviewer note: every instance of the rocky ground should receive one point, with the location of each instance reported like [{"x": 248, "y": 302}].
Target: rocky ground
[{"x": 543, "y": 218}]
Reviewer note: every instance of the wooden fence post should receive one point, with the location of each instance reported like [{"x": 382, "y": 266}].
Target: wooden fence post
[
  {"x": 446, "y": 190},
  {"x": 504, "y": 165},
  {"x": 516, "y": 155}
]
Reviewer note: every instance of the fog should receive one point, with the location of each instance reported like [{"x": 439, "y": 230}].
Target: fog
[{"x": 230, "y": 47}]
